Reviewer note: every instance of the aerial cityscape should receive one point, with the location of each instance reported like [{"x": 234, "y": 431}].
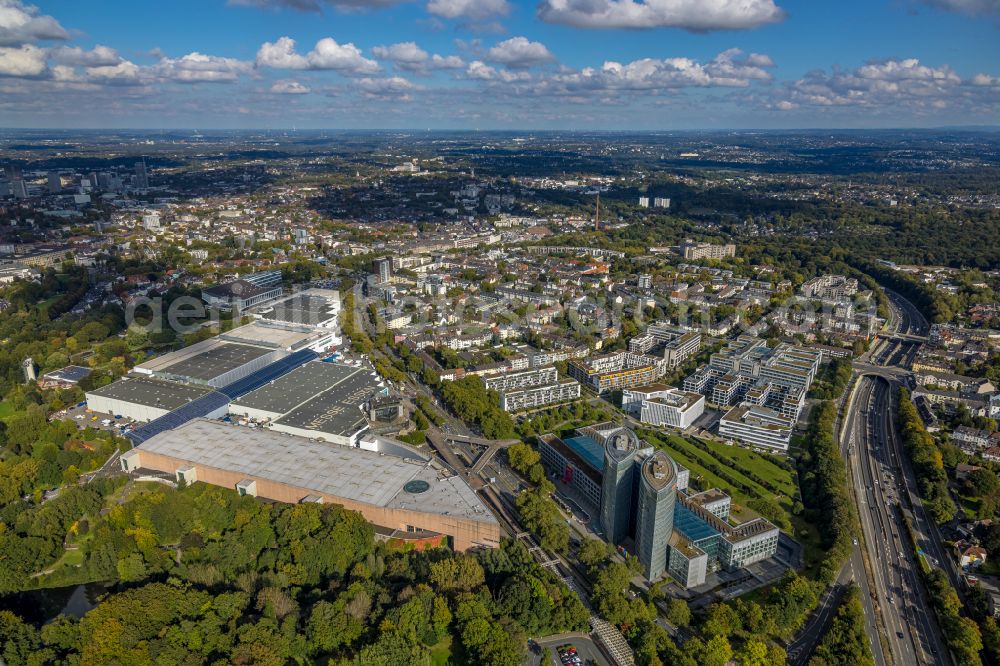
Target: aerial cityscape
[{"x": 542, "y": 332}]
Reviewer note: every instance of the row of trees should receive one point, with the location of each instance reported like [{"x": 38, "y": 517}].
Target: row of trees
[
  {"x": 469, "y": 399},
  {"x": 961, "y": 634},
  {"x": 928, "y": 464},
  {"x": 823, "y": 480}
]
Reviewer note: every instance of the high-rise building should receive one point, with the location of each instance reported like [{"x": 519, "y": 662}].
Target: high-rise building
[
  {"x": 655, "y": 513},
  {"x": 18, "y": 188},
  {"x": 661, "y": 202},
  {"x": 645, "y": 281},
  {"x": 141, "y": 179},
  {"x": 382, "y": 268},
  {"x": 616, "y": 484},
  {"x": 55, "y": 182},
  {"x": 644, "y": 202}
]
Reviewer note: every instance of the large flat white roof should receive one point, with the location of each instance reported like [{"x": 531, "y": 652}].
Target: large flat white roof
[{"x": 376, "y": 478}]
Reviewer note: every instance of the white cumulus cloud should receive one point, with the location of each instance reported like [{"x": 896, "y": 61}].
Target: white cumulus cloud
[
  {"x": 410, "y": 57},
  {"x": 21, "y": 24},
  {"x": 23, "y": 61},
  {"x": 694, "y": 15},
  {"x": 883, "y": 83},
  {"x": 99, "y": 56},
  {"x": 289, "y": 87},
  {"x": 327, "y": 54},
  {"x": 200, "y": 68},
  {"x": 520, "y": 52}
]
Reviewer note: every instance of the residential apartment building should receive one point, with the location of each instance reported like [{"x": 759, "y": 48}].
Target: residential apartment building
[
  {"x": 618, "y": 370},
  {"x": 693, "y": 251}
]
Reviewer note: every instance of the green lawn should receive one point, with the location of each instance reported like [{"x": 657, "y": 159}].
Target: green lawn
[
  {"x": 6, "y": 409},
  {"x": 441, "y": 652},
  {"x": 760, "y": 465}
]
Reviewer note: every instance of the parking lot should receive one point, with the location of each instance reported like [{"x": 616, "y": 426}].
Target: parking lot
[
  {"x": 587, "y": 652},
  {"x": 84, "y": 417}
]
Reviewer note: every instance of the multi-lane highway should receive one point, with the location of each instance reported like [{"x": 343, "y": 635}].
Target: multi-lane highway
[
  {"x": 875, "y": 463},
  {"x": 885, "y": 492}
]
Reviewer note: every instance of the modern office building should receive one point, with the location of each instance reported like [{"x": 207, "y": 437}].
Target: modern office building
[
  {"x": 654, "y": 522},
  {"x": 576, "y": 461},
  {"x": 757, "y": 426},
  {"x": 406, "y": 494},
  {"x": 641, "y": 496},
  {"x": 703, "y": 541},
  {"x": 748, "y": 371},
  {"x": 618, "y": 484},
  {"x": 663, "y": 405}
]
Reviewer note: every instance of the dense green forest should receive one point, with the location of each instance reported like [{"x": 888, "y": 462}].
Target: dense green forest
[{"x": 205, "y": 576}]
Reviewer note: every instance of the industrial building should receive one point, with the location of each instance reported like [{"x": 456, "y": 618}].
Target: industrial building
[
  {"x": 212, "y": 362},
  {"x": 286, "y": 336},
  {"x": 322, "y": 401},
  {"x": 641, "y": 496},
  {"x": 404, "y": 493},
  {"x": 234, "y": 362},
  {"x": 319, "y": 308},
  {"x": 143, "y": 398},
  {"x": 247, "y": 292},
  {"x": 617, "y": 370},
  {"x": 663, "y": 405}
]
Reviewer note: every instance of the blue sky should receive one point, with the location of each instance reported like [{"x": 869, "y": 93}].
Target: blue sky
[{"x": 484, "y": 64}]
